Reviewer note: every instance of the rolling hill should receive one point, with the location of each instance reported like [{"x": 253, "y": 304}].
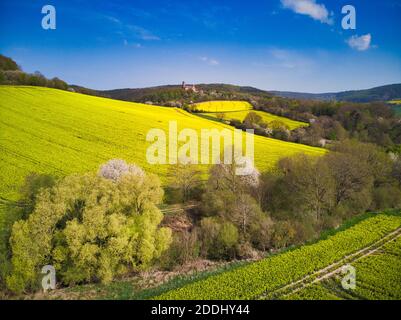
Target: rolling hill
[
  {"x": 58, "y": 132},
  {"x": 174, "y": 92},
  {"x": 383, "y": 93},
  {"x": 11, "y": 74}
]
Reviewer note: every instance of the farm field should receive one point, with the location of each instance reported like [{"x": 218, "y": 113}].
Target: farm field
[
  {"x": 263, "y": 279},
  {"x": 396, "y": 106},
  {"x": 223, "y": 106},
  {"x": 238, "y": 110},
  {"x": 57, "y": 132},
  {"x": 266, "y": 117},
  {"x": 378, "y": 277}
]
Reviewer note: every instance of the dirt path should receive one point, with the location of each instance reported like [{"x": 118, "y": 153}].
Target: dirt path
[{"x": 332, "y": 269}]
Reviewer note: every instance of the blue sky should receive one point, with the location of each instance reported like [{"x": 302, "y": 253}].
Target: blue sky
[{"x": 296, "y": 45}]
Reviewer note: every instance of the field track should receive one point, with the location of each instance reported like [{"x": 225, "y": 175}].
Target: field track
[{"x": 332, "y": 269}]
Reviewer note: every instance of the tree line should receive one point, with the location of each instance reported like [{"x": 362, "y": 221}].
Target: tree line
[
  {"x": 96, "y": 227},
  {"x": 11, "y": 74},
  {"x": 242, "y": 217},
  {"x": 374, "y": 122}
]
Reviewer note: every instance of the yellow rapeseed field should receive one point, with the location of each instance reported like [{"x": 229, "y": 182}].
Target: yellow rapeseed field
[
  {"x": 223, "y": 106},
  {"x": 58, "y": 132}
]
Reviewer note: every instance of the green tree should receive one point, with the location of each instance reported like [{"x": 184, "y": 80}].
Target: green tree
[
  {"x": 8, "y": 64},
  {"x": 232, "y": 197},
  {"x": 89, "y": 228},
  {"x": 309, "y": 182},
  {"x": 219, "y": 238},
  {"x": 350, "y": 175},
  {"x": 252, "y": 119},
  {"x": 378, "y": 162}
]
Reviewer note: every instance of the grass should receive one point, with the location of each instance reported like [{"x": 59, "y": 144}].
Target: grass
[
  {"x": 223, "y": 106},
  {"x": 57, "y": 132},
  {"x": 132, "y": 289}
]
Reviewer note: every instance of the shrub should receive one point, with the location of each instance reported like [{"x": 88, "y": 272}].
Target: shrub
[
  {"x": 386, "y": 197},
  {"x": 219, "y": 238},
  {"x": 283, "y": 234},
  {"x": 32, "y": 187},
  {"x": 184, "y": 248}
]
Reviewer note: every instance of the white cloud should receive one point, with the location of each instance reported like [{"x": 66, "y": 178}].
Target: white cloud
[
  {"x": 310, "y": 8},
  {"x": 113, "y": 19},
  {"x": 280, "y": 59},
  {"x": 129, "y": 30},
  {"x": 135, "y": 45},
  {"x": 142, "y": 33},
  {"x": 210, "y": 61},
  {"x": 361, "y": 43},
  {"x": 287, "y": 59}
]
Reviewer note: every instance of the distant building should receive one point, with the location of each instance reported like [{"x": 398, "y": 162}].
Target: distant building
[{"x": 189, "y": 87}]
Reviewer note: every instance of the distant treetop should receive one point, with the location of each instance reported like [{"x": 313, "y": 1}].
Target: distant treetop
[{"x": 8, "y": 64}]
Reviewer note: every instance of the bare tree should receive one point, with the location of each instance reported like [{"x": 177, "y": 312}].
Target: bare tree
[{"x": 184, "y": 177}]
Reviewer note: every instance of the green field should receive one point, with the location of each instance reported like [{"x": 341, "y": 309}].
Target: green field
[
  {"x": 264, "y": 278},
  {"x": 266, "y": 117},
  {"x": 378, "y": 277},
  {"x": 57, "y": 132},
  {"x": 223, "y": 106}
]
